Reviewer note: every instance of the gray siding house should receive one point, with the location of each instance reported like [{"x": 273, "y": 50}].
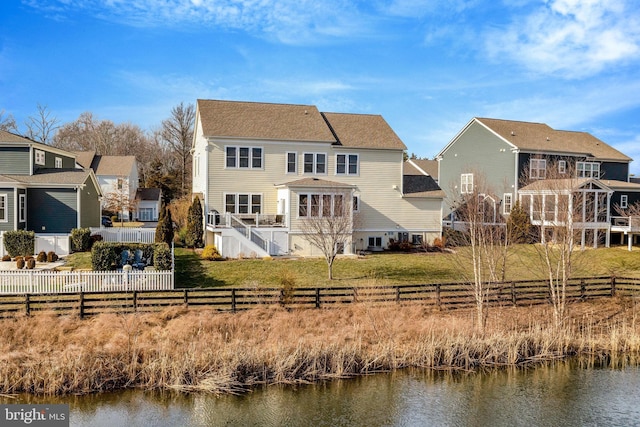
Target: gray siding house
[
  {"x": 504, "y": 158},
  {"x": 42, "y": 190}
]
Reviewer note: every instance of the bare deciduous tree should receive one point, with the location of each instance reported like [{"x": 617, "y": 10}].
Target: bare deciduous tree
[
  {"x": 484, "y": 231},
  {"x": 567, "y": 212},
  {"x": 119, "y": 199},
  {"x": 7, "y": 122},
  {"x": 177, "y": 133},
  {"x": 327, "y": 223},
  {"x": 42, "y": 126}
]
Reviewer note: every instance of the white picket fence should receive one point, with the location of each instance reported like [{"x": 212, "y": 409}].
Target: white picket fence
[
  {"x": 49, "y": 282},
  {"x": 126, "y": 234}
]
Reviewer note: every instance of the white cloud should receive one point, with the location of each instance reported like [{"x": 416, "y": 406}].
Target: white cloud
[
  {"x": 413, "y": 8},
  {"x": 289, "y": 21},
  {"x": 570, "y": 38},
  {"x": 570, "y": 107}
]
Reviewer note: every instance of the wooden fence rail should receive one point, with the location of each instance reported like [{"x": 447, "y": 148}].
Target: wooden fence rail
[{"x": 442, "y": 296}]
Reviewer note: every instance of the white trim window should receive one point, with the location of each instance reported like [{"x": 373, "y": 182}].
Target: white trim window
[
  {"x": 347, "y": 164},
  {"x": 507, "y": 203},
  {"x": 562, "y": 167},
  {"x": 588, "y": 170},
  {"x": 315, "y": 163},
  {"x": 40, "y": 158},
  {"x": 374, "y": 242},
  {"x": 537, "y": 169},
  {"x": 243, "y": 203},
  {"x": 624, "y": 201},
  {"x": 4, "y": 213},
  {"x": 22, "y": 207},
  {"x": 466, "y": 183},
  {"x": 321, "y": 205},
  {"x": 292, "y": 162},
  {"x": 243, "y": 157},
  {"x": 196, "y": 165},
  {"x": 58, "y": 163}
]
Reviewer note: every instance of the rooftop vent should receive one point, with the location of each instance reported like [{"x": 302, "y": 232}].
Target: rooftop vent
[{"x": 513, "y": 133}]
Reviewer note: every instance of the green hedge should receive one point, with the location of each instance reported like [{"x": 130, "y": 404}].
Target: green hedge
[
  {"x": 80, "y": 239},
  {"x": 108, "y": 255},
  {"x": 19, "y": 242}
]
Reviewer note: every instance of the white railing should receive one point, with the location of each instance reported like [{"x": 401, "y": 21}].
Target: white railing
[
  {"x": 126, "y": 234},
  {"x": 46, "y": 282}
]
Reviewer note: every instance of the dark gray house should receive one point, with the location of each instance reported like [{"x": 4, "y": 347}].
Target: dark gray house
[{"x": 43, "y": 190}]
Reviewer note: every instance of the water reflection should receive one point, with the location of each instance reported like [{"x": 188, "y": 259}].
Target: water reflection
[{"x": 556, "y": 395}]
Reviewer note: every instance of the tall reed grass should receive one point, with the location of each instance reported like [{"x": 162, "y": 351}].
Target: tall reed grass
[{"x": 189, "y": 350}]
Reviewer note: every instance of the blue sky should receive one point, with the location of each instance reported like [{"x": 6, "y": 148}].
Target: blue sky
[{"x": 427, "y": 67}]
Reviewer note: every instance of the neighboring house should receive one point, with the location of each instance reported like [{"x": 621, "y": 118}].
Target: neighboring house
[
  {"x": 148, "y": 203},
  {"x": 118, "y": 179},
  {"x": 42, "y": 190},
  {"x": 511, "y": 159},
  {"x": 262, "y": 169},
  {"x": 426, "y": 167}
]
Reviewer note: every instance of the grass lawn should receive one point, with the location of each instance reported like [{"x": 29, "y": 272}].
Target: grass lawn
[
  {"x": 127, "y": 224},
  {"x": 377, "y": 269},
  {"x": 386, "y": 268}
]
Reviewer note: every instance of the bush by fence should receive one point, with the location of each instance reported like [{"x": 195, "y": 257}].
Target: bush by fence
[
  {"x": 19, "y": 242},
  {"x": 80, "y": 239},
  {"x": 108, "y": 255}
]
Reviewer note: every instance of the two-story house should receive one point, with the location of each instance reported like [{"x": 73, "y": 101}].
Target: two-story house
[
  {"x": 42, "y": 190},
  {"x": 512, "y": 161},
  {"x": 260, "y": 169},
  {"x": 118, "y": 180}
]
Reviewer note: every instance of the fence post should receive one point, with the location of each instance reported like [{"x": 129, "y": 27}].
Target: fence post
[
  {"x": 317, "y": 297},
  {"x": 233, "y": 300},
  {"x": 81, "y": 303},
  {"x": 355, "y": 294},
  {"x": 186, "y": 298},
  {"x": 613, "y": 286},
  {"x": 438, "y": 302},
  {"x": 514, "y": 297},
  {"x": 135, "y": 301},
  {"x": 27, "y": 305},
  {"x": 583, "y": 290},
  {"x": 398, "y": 294}
]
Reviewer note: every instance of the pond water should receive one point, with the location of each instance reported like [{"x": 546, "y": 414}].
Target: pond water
[{"x": 557, "y": 395}]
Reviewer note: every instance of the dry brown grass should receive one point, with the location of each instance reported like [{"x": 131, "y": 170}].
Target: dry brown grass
[{"x": 227, "y": 353}]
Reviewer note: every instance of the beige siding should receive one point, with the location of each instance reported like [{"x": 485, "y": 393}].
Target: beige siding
[{"x": 378, "y": 184}]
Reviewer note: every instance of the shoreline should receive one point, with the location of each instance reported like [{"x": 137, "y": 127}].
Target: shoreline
[{"x": 203, "y": 351}]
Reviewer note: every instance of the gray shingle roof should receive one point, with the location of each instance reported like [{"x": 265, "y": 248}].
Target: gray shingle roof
[
  {"x": 420, "y": 186},
  {"x": 54, "y": 177},
  {"x": 148, "y": 194},
  {"x": 539, "y": 137}
]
